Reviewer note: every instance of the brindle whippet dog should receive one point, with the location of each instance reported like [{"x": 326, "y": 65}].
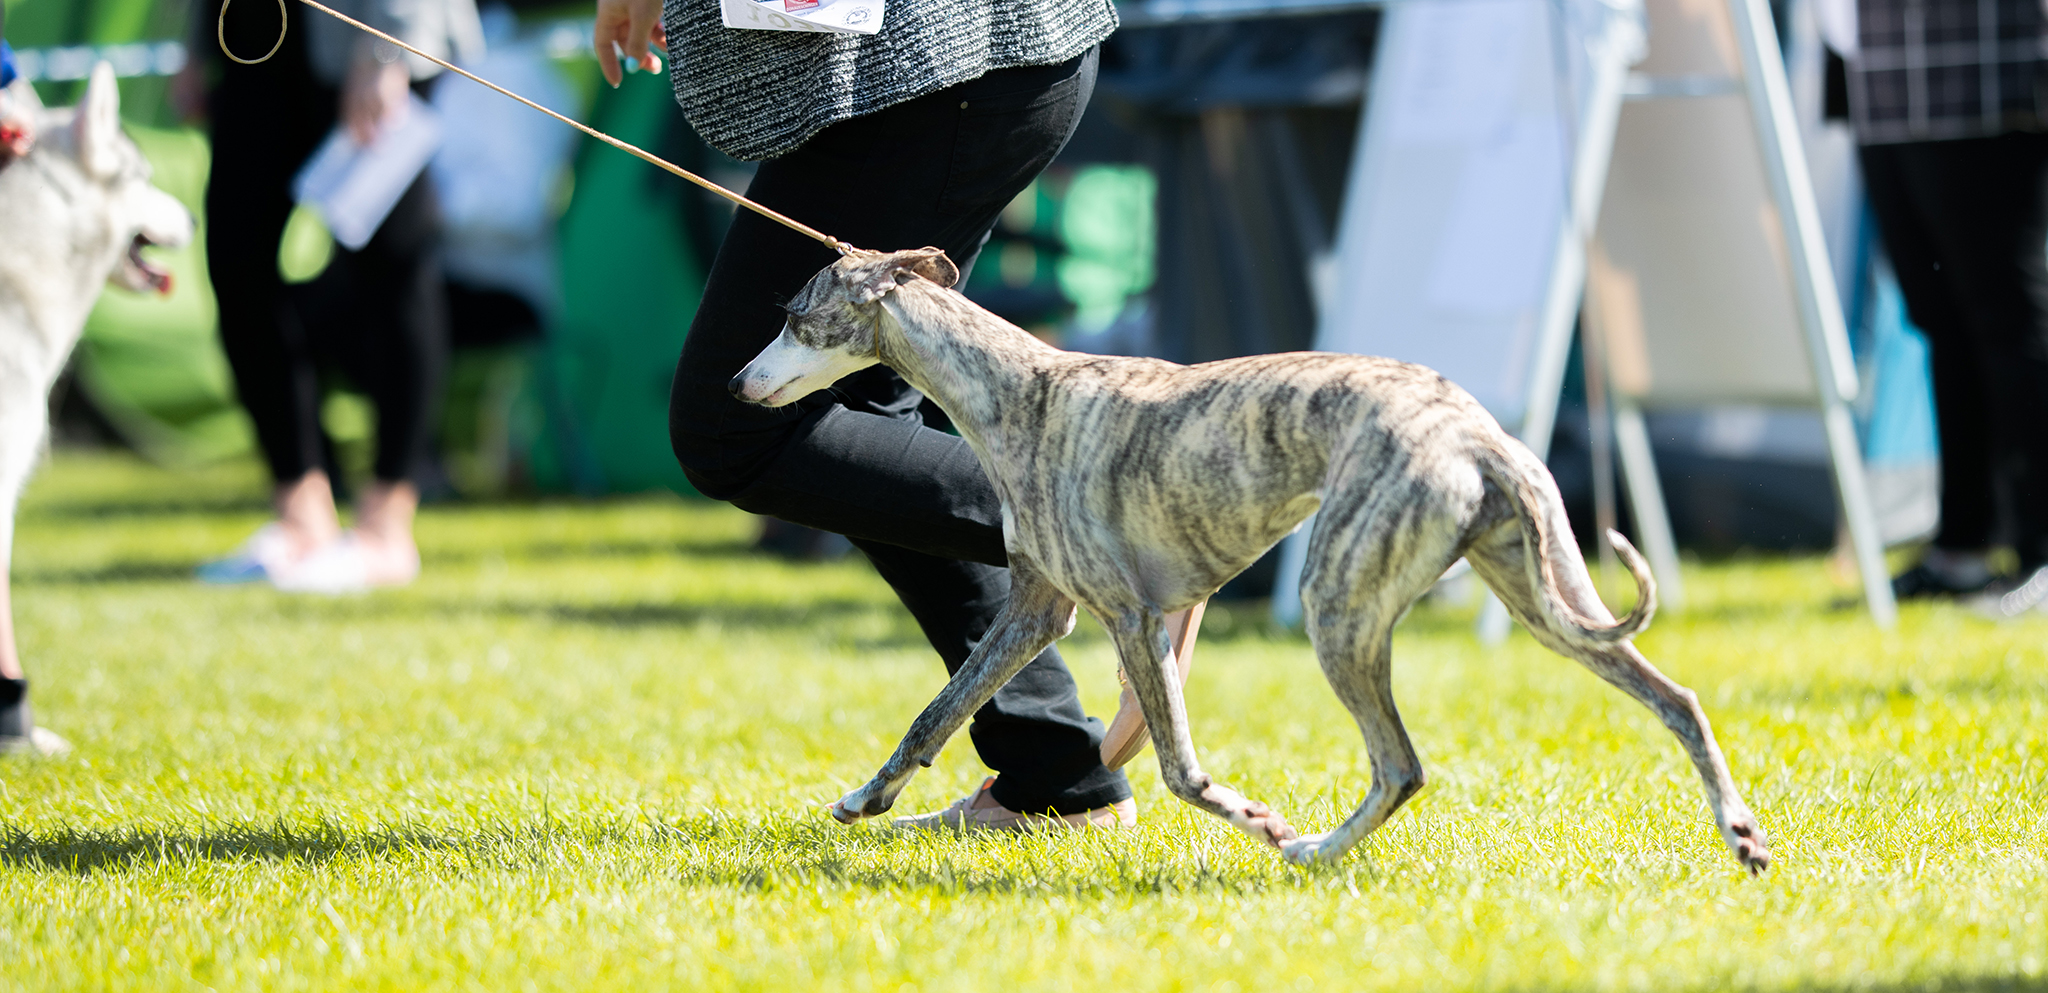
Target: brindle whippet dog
[{"x": 1136, "y": 487}]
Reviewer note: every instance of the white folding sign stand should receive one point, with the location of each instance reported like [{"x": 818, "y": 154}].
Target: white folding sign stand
[
  {"x": 1813, "y": 279},
  {"x": 1395, "y": 289}
]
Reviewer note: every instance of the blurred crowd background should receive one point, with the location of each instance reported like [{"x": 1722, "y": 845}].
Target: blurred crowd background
[{"x": 1185, "y": 220}]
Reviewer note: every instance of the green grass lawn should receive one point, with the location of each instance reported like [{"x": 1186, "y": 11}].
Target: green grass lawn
[{"x": 589, "y": 748}]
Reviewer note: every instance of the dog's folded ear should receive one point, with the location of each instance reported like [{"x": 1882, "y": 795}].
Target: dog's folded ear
[
  {"x": 931, "y": 263},
  {"x": 873, "y": 277}
]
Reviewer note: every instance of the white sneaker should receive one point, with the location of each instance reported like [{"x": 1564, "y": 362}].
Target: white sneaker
[
  {"x": 39, "y": 741},
  {"x": 348, "y": 565},
  {"x": 2017, "y": 597},
  {"x": 338, "y": 568}
]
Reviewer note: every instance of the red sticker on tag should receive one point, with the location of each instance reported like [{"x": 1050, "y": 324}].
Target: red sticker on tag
[{"x": 792, "y": 6}]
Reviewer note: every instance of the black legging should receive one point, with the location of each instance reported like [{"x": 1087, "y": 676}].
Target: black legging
[
  {"x": 378, "y": 314},
  {"x": 1966, "y": 225},
  {"x": 859, "y": 459}
]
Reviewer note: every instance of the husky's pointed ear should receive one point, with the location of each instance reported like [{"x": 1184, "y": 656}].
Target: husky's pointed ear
[{"x": 96, "y": 131}]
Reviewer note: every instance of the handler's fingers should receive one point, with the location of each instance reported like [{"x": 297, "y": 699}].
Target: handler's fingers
[
  {"x": 609, "y": 37},
  {"x": 646, "y": 28}
]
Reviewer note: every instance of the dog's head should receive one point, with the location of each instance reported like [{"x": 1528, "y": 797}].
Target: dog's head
[
  {"x": 92, "y": 198},
  {"x": 830, "y": 333}
]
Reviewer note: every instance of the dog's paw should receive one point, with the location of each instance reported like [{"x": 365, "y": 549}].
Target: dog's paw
[
  {"x": 1751, "y": 846},
  {"x": 1250, "y": 816},
  {"x": 1266, "y": 824},
  {"x": 858, "y": 805},
  {"x": 1308, "y": 849}
]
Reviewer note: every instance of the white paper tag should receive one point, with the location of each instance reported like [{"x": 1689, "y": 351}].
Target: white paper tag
[
  {"x": 830, "y": 16},
  {"x": 354, "y": 188}
]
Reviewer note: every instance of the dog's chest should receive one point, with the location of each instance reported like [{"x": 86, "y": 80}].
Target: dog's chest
[{"x": 1172, "y": 495}]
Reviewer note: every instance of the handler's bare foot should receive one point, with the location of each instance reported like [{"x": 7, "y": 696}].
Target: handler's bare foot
[
  {"x": 1127, "y": 734},
  {"x": 383, "y": 531},
  {"x": 979, "y": 811},
  {"x": 378, "y": 551}
]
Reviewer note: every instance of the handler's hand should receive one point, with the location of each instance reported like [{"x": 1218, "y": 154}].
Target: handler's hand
[
  {"x": 376, "y": 96},
  {"x": 630, "y": 25}
]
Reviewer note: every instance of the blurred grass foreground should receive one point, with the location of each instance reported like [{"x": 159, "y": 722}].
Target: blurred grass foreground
[{"x": 588, "y": 751}]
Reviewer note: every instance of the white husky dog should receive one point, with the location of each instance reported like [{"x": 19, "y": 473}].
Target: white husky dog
[{"x": 76, "y": 211}]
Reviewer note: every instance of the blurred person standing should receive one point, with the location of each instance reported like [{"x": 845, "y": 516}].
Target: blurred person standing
[
  {"x": 1946, "y": 99},
  {"x": 386, "y": 301}
]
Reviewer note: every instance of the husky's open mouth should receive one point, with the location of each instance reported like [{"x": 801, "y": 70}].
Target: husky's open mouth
[{"x": 140, "y": 274}]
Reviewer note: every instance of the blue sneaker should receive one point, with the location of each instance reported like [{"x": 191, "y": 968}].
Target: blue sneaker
[{"x": 255, "y": 561}]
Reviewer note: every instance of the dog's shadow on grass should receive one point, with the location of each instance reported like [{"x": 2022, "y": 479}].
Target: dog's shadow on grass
[
  {"x": 84, "y": 851},
  {"x": 776, "y": 617},
  {"x": 114, "y": 508},
  {"x": 558, "y": 551},
  {"x": 112, "y": 574},
  {"x": 713, "y": 851}
]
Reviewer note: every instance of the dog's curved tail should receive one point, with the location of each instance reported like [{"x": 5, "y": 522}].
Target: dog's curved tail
[{"x": 1545, "y": 531}]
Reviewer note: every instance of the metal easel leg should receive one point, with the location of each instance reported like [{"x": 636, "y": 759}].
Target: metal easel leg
[
  {"x": 1646, "y": 500},
  {"x": 1813, "y": 281},
  {"x": 1853, "y": 493}
]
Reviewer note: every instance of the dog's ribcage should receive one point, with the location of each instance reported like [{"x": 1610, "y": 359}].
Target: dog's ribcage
[{"x": 1176, "y": 478}]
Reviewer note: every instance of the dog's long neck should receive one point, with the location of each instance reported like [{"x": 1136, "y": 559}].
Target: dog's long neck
[{"x": 963, "y": 357}]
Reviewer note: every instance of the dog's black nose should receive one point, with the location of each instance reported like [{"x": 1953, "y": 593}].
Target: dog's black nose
[{"x": 738, "y": 383}]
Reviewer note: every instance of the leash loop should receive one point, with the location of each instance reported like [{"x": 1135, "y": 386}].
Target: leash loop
[{"x": 221, "y": 30}]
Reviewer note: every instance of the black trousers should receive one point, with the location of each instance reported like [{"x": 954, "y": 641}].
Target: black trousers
[
  {"x": 378, "y": 315},
  {"x": 860, "y": 459},
  {"x": 1966, "y": 225}
]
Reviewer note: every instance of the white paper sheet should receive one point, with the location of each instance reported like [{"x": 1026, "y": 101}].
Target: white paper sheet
[
  {"x": 354, "y": 187},
  {"x": 832, "y": 16}
]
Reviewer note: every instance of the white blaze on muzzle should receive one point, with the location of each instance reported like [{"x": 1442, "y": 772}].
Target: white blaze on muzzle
[{"x": 788, "y": 370}]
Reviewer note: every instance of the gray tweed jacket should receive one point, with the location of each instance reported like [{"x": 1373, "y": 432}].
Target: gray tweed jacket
[{"x": 760, "y": 94}]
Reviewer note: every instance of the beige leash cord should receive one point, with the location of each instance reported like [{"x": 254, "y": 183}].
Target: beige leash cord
[{"x": 221, "y": 31}]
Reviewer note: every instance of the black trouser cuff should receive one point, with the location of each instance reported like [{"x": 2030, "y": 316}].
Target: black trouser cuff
[{"x": 15, "y": 719}]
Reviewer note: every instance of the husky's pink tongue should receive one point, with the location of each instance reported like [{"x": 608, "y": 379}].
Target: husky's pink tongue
[{"x": 158, "y": 277}]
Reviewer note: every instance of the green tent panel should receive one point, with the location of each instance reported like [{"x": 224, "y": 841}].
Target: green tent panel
[{"x": 630, "y": 283}]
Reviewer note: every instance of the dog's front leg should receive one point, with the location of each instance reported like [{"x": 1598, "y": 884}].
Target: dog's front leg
[
  {"x": 1036, "y": 615},
  {"x": 1147, "y": 655}
]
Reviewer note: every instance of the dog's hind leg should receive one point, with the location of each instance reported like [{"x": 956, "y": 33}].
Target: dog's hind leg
[
  {"x": 1147, "y": 655},
  {"x": 1498, "y": 558},
  {"x": 1036, "y": 615},
  {"x": 1355, "y": 590}
]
